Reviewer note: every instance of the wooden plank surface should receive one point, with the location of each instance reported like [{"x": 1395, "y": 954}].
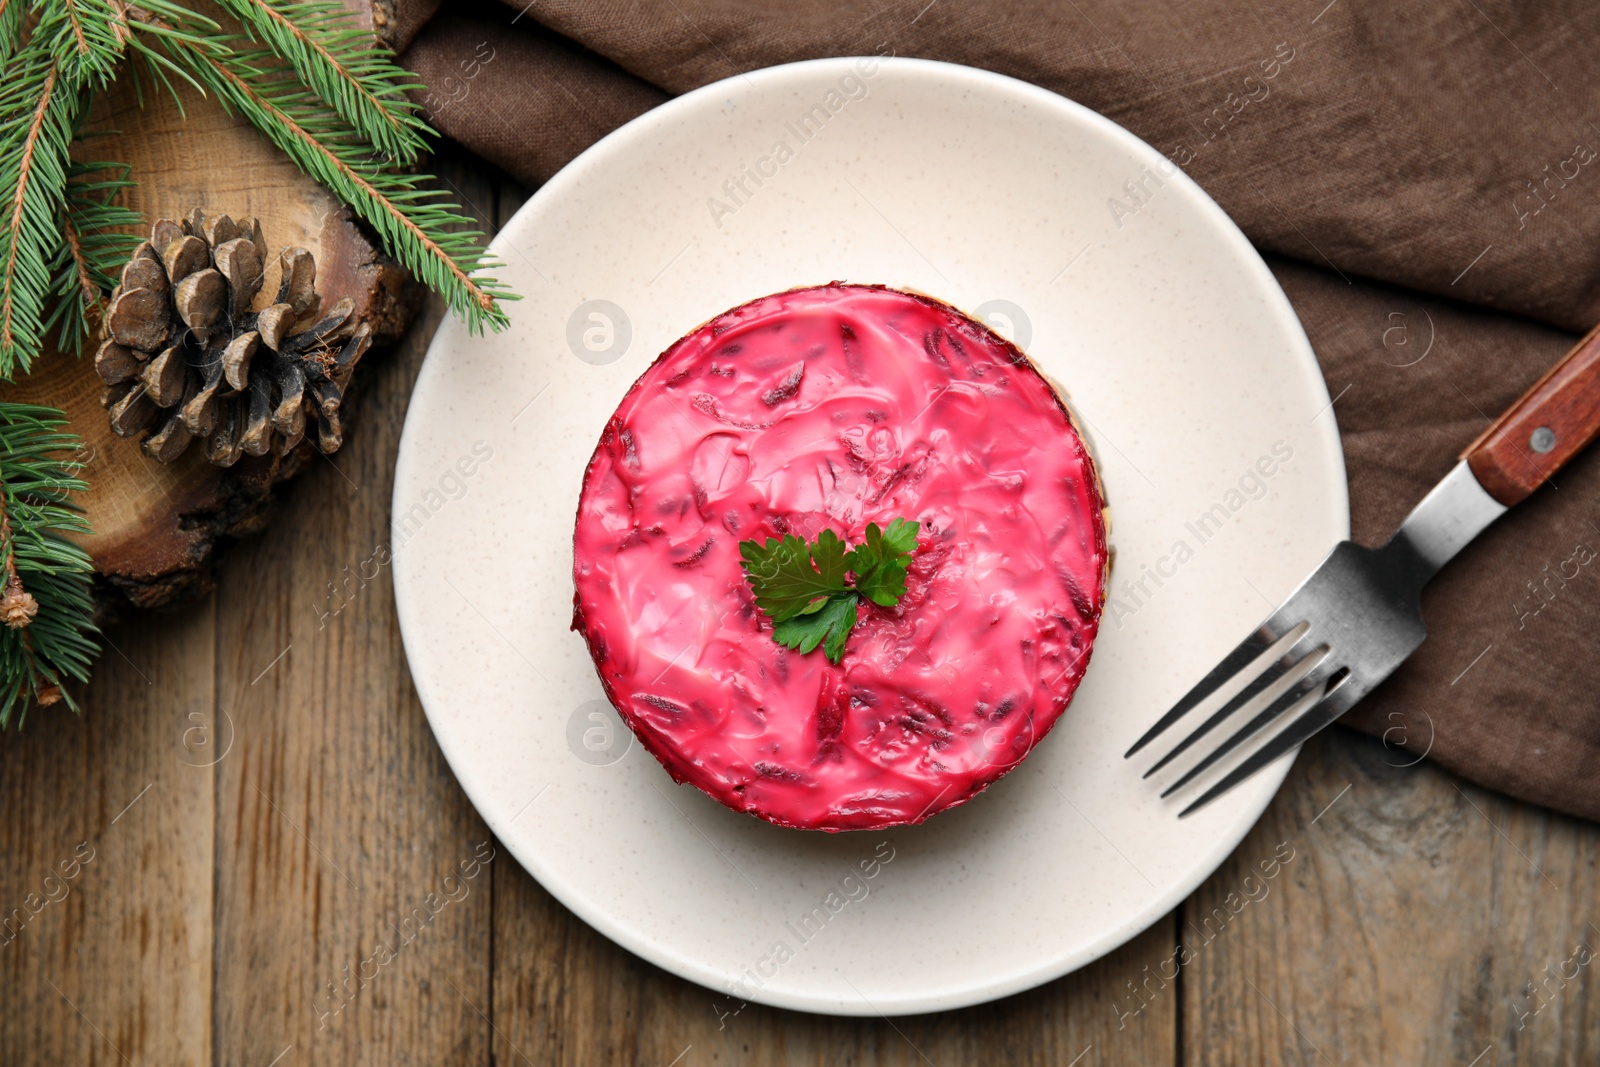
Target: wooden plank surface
[
  {"x": 347, "y": 931},
  {"x": 1423, "y": 921},
  {"x": 566, "y": 995},
  {"x": 299, "y": 814},
  {"x": 108, "y": 960}
]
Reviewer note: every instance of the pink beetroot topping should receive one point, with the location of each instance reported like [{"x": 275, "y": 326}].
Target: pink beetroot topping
[{"x": 833, "y": 407}]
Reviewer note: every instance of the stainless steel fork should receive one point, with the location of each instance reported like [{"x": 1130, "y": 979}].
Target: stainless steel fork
[{"x": 1359, "y": 615}]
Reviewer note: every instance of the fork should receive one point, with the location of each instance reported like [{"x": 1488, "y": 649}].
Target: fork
[{"x": 1359, "y": 615}]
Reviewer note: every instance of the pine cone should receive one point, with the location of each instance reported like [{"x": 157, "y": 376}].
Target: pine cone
[{"x": 185, "y": 356}]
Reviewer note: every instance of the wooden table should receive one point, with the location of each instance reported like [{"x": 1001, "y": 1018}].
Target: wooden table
[{"x": 252, "y": 797}]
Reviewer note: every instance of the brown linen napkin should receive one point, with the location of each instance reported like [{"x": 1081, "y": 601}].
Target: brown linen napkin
[{"x": 1425, "y": 179}]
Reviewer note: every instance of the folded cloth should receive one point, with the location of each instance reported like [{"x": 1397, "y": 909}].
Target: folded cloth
[{"x": 1424, "y": 179}]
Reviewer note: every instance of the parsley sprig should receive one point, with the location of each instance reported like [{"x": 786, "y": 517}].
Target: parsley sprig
[{"x": 806, "y": 589}]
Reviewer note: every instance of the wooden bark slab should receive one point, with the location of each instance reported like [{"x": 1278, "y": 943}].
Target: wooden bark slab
[{"x": 156, "y": 527}]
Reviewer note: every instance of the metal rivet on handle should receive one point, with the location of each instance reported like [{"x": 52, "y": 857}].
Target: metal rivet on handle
[{"x": 1542, "y": 440}]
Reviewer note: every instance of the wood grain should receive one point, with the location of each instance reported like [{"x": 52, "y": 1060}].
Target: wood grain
[
  {"x": 118, "y": 968},
  {"x": 565, "y": 995},
  {"x": 338, "y": 815},
  {"x": 1548, "y": 425},
  {"x": 1407, "y": 930},
  {"x": 157, "y": 525},
  {"x": 285, "y": 752}
]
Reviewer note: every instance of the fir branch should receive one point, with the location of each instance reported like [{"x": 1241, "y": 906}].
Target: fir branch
[
  {"x": 37, "y": 113},
  {"x": 81, "y": 43},
  {"x": 95, "y": 247},
  {"x": 11, "y": 12},
  {"x": 178, "y": 27},
  {"x": 340, "y": 61},
  {"x": 80, "y": 279},
  {"x": 419, "y": 227},
  {"x": 311, "y": 83},
  {"x": 41, "y": 649},
  {"x": 85, "y": 38}
]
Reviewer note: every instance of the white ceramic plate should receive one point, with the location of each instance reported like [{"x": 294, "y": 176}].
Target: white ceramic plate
[{"x": 1178, "y": 350}]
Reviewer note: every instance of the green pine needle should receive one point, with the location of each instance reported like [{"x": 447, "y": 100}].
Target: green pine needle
[
  {"x": 37, "y": 478},
  {"x": 339, "y": 60},
  {"x": 316, "y": 86},
  {"x": 85, "y": 36},
  {"x": 96, "y": 246},
  {"x": 37, "y": 112},
  {"x": 11, "y": 12},
  {"x": 73, "y": 48},
  {"x": 419, "y": 227}
]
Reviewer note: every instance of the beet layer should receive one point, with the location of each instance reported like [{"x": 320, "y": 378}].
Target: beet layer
[{"x": 830, "y": 408}]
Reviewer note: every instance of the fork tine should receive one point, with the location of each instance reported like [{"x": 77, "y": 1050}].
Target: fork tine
[
  {"x": 1241, "y": 657},
  {"x": 1288, "y": 699},
  {"x": 1292, "y": 657},
  {"x": 1315, "y": 718}
]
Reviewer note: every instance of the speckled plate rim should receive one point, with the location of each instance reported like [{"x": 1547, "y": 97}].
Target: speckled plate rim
[{"x": 643, "y": 941}]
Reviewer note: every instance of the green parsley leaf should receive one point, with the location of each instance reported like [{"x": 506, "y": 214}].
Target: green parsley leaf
[
  {"x": 880, "y": 564},
  {"x": 784, "y": 579},
  {"x": 805, "y": 589},
  {"x": 831, "y": 623}
]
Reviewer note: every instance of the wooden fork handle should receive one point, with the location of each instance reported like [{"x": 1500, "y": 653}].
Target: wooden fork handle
[{"x": 1552, "y": 422}]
